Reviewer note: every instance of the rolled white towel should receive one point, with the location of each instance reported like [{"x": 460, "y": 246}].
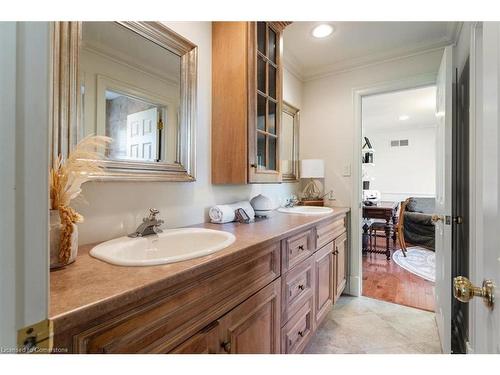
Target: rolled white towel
[{"x": 224, "y": 213}]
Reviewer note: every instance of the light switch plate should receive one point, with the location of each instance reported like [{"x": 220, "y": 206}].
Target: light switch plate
[{"x": 346, "y": 172}]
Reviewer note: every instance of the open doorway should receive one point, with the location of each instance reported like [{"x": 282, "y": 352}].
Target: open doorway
[{"x": 399, "y": 189}]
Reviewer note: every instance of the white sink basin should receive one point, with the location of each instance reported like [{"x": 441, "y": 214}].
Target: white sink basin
[
  {"x": 306, "y": 210},
  {"x": 172, "y": 245}
]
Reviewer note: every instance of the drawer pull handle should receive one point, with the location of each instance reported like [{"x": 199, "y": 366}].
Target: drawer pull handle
[
  {"x": 301, "y": 287},
  {"x": 301, "y": 333},
  {"x": 226, "y": 345},
  {"x": 301, "y": 247}
]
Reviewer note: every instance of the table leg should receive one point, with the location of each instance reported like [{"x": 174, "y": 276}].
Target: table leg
[
  {"x": 365, "y": 238},
  {"x": 387, "y": 238},
  {"x": 394, "y": 223}
]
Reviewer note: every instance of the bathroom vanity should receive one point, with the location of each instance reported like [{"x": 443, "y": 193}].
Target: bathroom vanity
[{"x": 266, "y": 293}]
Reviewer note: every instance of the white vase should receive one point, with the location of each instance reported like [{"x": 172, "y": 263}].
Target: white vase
[{"x": 55, "y": 228}]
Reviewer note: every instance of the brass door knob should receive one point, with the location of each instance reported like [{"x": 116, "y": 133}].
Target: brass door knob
[
  {"x": 436, "y": 218},
  {"x": 464, "y": 290}
]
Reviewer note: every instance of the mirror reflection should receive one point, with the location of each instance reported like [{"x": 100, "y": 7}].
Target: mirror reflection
[
  {"x": 130, "y": 92},
  {"x": 289, "y": 152}
]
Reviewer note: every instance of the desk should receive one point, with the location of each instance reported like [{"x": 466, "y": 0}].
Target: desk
[{"x": 386, "y": 211}]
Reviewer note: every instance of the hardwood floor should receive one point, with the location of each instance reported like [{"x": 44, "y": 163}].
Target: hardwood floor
[{"x": 384, "y": 280}]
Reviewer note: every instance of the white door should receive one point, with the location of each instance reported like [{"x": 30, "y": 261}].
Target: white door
[
  {"x": 484, "y": 323},
  {"x": 444, "y": 86},
  {"x": 142, "y": 135}
]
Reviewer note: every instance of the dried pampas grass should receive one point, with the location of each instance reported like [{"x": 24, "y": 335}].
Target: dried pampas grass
[
  {"x": 66, "y": 180},
  {"x": 68, "y": 176}
]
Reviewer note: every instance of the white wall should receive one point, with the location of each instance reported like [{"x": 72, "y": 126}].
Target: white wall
[
  {"x": 402, "y": 172},
  {"x": 292, "y": 88},
  {"x": 328, "y": 131},
  {"x": 327, "y": 117},
  {"x": 115, "y": 208},
  {"x": 24, "y": 104}
]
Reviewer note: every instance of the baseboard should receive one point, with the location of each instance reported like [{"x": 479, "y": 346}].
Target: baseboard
[{"x": 353, "y": 286}]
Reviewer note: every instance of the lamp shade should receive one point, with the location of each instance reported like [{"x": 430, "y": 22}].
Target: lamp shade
[{"x": 312, "y": 168}]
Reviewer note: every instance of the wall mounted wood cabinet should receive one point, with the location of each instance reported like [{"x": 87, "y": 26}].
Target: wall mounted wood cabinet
[{"x": 246, "y": 101}]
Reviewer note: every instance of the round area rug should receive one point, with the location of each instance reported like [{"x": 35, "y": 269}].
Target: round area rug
[{"x": 419, "y": 261}]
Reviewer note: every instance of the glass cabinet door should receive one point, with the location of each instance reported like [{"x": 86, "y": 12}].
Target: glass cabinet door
[{"x": 268, "y": 82}]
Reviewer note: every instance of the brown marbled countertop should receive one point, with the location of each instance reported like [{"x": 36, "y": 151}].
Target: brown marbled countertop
[{"x": 90, "y": 288}]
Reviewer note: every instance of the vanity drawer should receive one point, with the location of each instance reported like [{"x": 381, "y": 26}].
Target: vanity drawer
[
  {"x": 182, "y": 310},
  {"x": 328, "y": 231},
  {"x": 297, "y": 332},
  {"x": 296, "y": 289},
  {"x": 296, "y": 249}
]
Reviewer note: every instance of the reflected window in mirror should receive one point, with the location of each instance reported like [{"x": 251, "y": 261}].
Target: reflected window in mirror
[
  {"x": 131, "y": 89},
  {"x": 289, "y": 147}
]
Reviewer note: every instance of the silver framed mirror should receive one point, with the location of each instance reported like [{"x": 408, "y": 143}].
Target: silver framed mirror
[
  {"x": 135, "y": 82},
  {"x": 289, "y": 147}
]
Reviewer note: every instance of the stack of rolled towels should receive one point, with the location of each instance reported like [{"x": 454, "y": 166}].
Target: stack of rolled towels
[{"x": 225, "y": 213}]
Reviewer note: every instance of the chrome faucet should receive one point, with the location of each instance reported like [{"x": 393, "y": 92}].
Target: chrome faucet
[
  {"x": 150, "y": 225},
  {"x": 292, "y": 201}
]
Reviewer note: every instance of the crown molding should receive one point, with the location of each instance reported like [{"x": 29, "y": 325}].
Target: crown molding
[
  {"x": 349, "y": 65},
  {"x": 291, "y": 64},
  {"x": 455, "y": 31}
]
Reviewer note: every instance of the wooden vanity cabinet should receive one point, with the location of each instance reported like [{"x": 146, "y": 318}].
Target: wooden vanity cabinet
[
  {"x": 252, "y": 327},
  {"x": 340, "y": 264},
  {"x": 246, "y": 101},
  {"x": 324, "y": 274},
  {"x": 269, "y": 300}
]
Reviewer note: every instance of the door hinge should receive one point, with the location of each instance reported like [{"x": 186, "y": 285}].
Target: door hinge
[
  {"x": 160, "y": 124},
  {"x": 36, "y": 338}
]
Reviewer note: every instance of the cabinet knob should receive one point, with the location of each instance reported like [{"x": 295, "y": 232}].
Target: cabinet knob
[
  {"x": 336, "y": 252},
  {"x": 301, "y": 247},
  {"x": 301, "y": 333},
  {"x": 301, "y": 287},
  {"x": 226, "y": 345}
]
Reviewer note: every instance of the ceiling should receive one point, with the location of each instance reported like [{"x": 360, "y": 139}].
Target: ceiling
[
  {"x": 381, "y": 112},
  {"x": 119, "y": 43},
  {"x": 355, "y": 44}
]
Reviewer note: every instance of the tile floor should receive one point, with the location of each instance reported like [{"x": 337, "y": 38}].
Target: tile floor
[{"x": 365, "y": 325}]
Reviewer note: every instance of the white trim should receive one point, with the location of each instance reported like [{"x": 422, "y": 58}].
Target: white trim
[
  {"x": 475, "y": 269},
  {"x": 291, "y": 64},
  {"x": 356, "y": 215},
  {"x": 372, "y": 60},
  {"x": 8, "y": 184}
]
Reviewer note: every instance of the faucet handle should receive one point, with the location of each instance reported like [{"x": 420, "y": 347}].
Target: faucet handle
[{"x": 152, "y": 213}]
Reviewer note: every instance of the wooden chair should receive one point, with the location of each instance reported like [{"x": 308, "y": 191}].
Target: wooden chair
[
  {"x": 380, "y": 226},
  {"x": 400, "y": 227},
  {"x": 373, "y": 231}
]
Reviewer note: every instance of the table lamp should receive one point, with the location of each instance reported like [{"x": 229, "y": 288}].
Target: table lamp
[{"x": 312, "y": 168}]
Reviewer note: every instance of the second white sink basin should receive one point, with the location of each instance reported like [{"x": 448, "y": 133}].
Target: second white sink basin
[
  {"x": 171, "y": 246},
  {"x": 306, "y": 210}
]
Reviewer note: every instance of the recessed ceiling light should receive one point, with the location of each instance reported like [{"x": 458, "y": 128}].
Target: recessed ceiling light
[
  {"x": 322, "y": 31},
  {"x": 403, "y": 117}
]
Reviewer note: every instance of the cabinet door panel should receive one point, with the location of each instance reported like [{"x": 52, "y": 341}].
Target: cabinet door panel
[
  {"x": 340, "y": 264},
  {"x": 253, "y": 327},
  {"x": 324, "y": 282},
  {"x": 204, "y": 342}
]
